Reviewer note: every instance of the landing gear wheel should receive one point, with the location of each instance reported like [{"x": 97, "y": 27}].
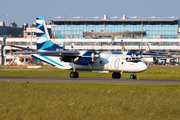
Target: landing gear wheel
[
  {"x": 133, "y": 76},
  {"x": 116, "y": 75},
  {"x": 74, "y": 75}
]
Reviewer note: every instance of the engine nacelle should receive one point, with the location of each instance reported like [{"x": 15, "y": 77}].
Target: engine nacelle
[{"x": 86, "y": 58}]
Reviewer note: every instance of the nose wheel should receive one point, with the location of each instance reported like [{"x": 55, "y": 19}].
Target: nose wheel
[
  {"x": 116, "y": 75},
  {"x": 133, "y": 76}
]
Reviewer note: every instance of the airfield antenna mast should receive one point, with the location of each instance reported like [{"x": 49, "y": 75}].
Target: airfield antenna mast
[
  {"x": 64, "y": 33},
  {"x": 142, "y": 37},
  {"x": 31, "y": 45},
  {"x": 7, "y": 20},
  {"x": 71, "y": 34},
  {"x": 149, "y": 37},
  {"x": 54, "y": 33}
]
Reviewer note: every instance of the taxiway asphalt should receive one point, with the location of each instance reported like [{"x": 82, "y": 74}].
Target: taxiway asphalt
[{"x": 89, "y": 80}]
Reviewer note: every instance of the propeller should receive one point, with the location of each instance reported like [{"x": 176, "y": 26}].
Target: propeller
[{"x": 95, "y": 56}]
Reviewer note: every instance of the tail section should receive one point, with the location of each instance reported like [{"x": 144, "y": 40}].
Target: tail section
[{"x": 43, "y": 40}]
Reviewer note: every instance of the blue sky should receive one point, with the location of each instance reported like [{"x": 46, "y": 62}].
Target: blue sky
[{"x": 25, "y": 11}]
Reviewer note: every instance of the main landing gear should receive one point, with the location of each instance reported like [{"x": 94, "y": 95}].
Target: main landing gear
[
  {"x": 74, "y": 74},
  {"x": 133, "y": 76},
  {"x": 116, "y": 75}
]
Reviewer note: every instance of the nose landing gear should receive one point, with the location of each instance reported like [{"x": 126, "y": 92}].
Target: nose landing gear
[{"x": 133, "y": 76}]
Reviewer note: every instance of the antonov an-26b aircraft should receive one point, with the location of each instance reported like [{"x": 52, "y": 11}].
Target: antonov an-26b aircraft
[{"x": 95, "y": 61}]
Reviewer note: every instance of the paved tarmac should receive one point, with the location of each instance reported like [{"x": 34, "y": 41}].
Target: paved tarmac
[{"x": 89, "y": 80}]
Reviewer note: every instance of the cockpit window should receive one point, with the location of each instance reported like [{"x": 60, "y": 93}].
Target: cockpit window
[{"x": 133, "y": 59}]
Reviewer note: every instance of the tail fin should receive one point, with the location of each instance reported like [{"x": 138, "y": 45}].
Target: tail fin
[
  {"x": 43, "y": 40},
  {"x": 122, "y": 46}
]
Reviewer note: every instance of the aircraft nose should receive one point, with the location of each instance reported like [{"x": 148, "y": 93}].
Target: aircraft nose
[{"x": 142, "y": 67}]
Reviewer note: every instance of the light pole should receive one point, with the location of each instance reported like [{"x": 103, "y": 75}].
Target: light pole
[{"x": 7, "y": 20}]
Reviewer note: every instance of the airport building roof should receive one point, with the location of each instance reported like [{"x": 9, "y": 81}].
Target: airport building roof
[{"x": 116, "y": 18}]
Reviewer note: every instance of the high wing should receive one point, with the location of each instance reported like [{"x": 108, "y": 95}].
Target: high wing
[
  {"x": 46, "y": 53},
  {"x": 53, "y": 53}
]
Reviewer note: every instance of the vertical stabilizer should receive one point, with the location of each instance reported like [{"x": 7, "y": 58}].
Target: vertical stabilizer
[{"x": 43, "y": 40}]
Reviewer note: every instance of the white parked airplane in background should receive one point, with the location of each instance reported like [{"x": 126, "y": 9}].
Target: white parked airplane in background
[
  {"x": 146, "y": 57},
  {"x": 97, "y": 61}
]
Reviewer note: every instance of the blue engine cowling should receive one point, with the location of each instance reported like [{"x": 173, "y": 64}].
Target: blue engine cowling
[{"x": 87, "y": 57}]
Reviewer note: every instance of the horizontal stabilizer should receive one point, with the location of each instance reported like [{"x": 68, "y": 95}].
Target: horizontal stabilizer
[{"x": 23, "y": 48}]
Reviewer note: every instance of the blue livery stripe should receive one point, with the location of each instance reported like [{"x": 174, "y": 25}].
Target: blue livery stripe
[
  {"x": 46, "y": 45},
  {"x": 39, "y": 45},
  {"x": 39, "y": 34},
  {"x": 42, "y": 60},
  {"x": 52, "y": 61},
  {"x": 42, "y": 28},
  {"x": 41, "y": 37},
  {"x": 40, "y": 18},
  {"x": 38, "y": 25},
  {"x": 87, "y": 53},
  {"x": 84, "y": 60}
]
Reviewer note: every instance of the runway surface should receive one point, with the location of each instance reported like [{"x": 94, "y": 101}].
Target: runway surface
[{"x": 89, "y": 80}]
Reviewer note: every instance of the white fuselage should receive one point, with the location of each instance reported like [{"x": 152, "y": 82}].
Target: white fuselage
[{"x": 106, "y": 62}]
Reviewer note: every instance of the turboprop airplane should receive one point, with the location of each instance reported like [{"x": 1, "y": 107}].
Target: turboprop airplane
[
  {"x": 90, "y": 60},
  {"x": 146, "y": 57}
]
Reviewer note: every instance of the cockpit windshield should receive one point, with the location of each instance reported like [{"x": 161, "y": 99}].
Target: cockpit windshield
[{"x": 133, "y": 59}]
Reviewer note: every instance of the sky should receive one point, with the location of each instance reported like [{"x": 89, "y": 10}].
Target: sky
[{"x": 26, "y": 11}]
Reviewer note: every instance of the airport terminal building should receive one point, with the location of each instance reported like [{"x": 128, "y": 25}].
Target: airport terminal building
[
  {"x": 101, "y": 33},
  {"x": 115, "y": 27}
]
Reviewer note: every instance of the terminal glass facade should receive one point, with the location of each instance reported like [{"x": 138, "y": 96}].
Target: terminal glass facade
[{"x": 154, "y": 29}]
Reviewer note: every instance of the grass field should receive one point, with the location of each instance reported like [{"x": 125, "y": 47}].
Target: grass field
[
  {"x": 153, "y": 72},
  {"x": 89, "y": 101}
]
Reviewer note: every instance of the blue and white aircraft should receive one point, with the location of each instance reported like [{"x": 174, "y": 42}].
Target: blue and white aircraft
[{"x": 95, "y": 61}]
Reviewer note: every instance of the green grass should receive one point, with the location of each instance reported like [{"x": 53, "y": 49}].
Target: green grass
[
  {"x": 89, "y": 101},
  {"x": 153, "y": 72}
]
